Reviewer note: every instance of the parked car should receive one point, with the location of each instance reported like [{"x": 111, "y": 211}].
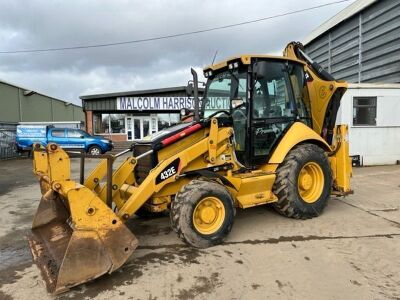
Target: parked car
[{"x": 68, "y": 138}]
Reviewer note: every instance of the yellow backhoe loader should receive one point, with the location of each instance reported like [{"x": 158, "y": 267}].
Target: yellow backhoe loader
[{"x": 263, "y": 133}]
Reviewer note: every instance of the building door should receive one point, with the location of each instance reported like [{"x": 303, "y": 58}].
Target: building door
[
  {"x": 139, "y": 127},
  {"x": 129, "y": 131},
  {"x": 154, "y": 124}
]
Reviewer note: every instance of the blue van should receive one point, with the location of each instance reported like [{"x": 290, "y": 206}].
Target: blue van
[{"x": 69, "y": 138}]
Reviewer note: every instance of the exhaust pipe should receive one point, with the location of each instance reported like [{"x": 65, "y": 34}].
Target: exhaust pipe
[{"x": 196, "y": 95}]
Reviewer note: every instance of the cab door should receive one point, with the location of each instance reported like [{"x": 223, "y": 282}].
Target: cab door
[
  {"x": 76, "y": 139},
  {"x": 57, "y": 135},
  {"x": 272, "y": 109}
]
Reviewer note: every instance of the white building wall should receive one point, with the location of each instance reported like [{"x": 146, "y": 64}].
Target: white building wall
[{"x": 380, "y": 144}]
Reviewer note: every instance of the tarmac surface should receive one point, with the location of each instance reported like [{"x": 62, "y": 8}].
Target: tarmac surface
[{"x": 352, "y": 251}]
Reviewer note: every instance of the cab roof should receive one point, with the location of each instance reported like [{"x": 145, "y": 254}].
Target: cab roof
[{"x": 246, "y": 60}]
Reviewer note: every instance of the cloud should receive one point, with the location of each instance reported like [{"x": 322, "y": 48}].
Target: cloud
[{"x": 68, "y": 74}]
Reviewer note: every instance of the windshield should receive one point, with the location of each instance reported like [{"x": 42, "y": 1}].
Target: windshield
[{"x": 221, "y": 89}]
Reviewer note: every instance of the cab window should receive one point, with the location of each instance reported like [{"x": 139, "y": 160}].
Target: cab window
[
  {"x": 271, "y": 94},
  {"x": 58, "y": 133},
  {"x": 300, "y": 92},
  {"x": 74, "y": 133},
  {"x": 218, "y": 94},
  {"x": 227, "y": 86},
  {"x": 273, "y": 108}
]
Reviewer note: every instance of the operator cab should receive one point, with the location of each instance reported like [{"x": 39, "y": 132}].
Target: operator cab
[{"x": 263, "y": 98}]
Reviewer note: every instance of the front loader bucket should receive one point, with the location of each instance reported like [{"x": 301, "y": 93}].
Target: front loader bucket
[{"x": 76, "y": 237}]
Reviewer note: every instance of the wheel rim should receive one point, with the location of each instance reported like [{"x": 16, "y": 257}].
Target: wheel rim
[
  {"x": 95, "y": 151},
  {"x": 311, "y": 182},
  {"x": 208, "y": 215}
]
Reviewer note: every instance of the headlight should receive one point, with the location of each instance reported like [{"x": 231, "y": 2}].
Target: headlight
[
  {"x": 105, "y": 141},
  {"x": 233, "y": 65},
  {"x": 208, "y": 73}
]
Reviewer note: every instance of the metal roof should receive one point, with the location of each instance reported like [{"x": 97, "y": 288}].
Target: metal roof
[
  {"x": 136, "y": 93},
  {"x": 36, "y": 92},
  {"x": 343, "y": 15},
  {"x": 246, "y": 59},
  {"x": 363, "y": 48}
]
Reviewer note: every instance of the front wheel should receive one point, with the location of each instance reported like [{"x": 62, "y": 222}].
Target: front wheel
[
  {"x": 94, "y": 150},
  {"x": 303, "y": 182},
  {"x": 202, "y": 213}
]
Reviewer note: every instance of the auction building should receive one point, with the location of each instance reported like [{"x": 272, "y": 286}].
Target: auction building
[{"x": 128, "y": 116}]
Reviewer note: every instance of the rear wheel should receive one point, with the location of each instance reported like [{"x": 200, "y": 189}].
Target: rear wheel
[
  {"x": 94, "y": 150},
  {"x": 303, "y": 182},
  {"x": 202, "y": 213}
]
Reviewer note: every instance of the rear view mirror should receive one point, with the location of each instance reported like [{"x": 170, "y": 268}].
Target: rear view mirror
[
  {"x": 189, "y": 90},
  {"x": 261, "y": 69},
  {"x": 237, "y": 102}
]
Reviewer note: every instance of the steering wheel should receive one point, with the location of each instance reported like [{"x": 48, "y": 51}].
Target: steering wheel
[{"x": 219, "y": 112}]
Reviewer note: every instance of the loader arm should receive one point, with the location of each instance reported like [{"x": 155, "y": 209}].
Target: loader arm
[
  {"x": 72, "y": 216},
  {"x": 155, "y": 181}
]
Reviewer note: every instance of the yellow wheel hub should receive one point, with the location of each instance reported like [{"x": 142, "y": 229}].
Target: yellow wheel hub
[
  {"x": 311, "y": 182},
  {"x": 208, "y": 215}
]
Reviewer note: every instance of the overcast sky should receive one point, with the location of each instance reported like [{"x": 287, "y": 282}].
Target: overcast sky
[{"x": 156, "y": 64}]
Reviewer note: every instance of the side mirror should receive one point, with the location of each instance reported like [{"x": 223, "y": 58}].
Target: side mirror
[
  {"x": 260, "y": 69},
  {"x": 237, "y": 102},
  {"x": 189, "y": 89},
  {"x": 185, "y": 112},
  {"x": 82, "y": 136},
  {"x": 186, "y": 115}
]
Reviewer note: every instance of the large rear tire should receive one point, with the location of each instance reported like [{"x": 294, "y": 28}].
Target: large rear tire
[
  {"x": 303, "y": 182},
  {"x": 202, "y": 213}
]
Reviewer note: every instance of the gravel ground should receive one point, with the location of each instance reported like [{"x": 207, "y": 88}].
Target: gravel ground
[{"x": 351, "y": 251}]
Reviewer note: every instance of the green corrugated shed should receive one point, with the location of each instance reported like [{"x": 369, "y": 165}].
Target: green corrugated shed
[{"x": 18, "y": 104}]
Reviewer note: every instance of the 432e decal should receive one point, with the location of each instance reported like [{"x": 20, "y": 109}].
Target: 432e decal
[{"x": 168, "y": 171}]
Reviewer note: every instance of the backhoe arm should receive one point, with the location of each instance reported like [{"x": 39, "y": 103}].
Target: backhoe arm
[{"x": 324, "y": 93}]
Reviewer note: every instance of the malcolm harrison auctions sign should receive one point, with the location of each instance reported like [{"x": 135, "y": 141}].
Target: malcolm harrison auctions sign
[{"x": 167, "y": 103}]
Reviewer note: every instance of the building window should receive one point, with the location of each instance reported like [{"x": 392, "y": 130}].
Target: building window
[
  {"x": 101, "y": 123},
  {"x": 364, "y": 111},
  {"x": 166, "y": 120},
  {"x": 117, "y": 123}
]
